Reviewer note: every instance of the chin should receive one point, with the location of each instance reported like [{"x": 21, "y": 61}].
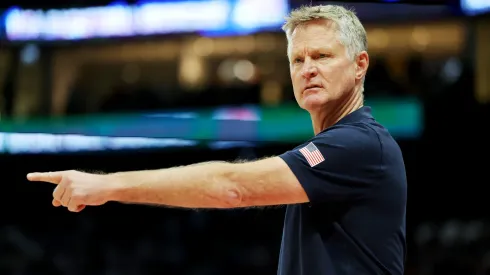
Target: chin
[{"x": 313, "y": 102}]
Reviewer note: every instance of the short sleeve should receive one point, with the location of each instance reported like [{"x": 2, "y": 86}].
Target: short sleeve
[{"x": 340, "y": 164}]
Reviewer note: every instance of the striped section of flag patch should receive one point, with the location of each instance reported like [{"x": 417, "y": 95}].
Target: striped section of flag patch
[{"x": 312, "y": 154}]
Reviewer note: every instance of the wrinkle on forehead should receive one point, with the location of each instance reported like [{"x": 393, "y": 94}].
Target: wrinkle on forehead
[{"x": 303, "y": 45}]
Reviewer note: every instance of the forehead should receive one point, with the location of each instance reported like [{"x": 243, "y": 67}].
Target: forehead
[{"x": 315, "y": 34}]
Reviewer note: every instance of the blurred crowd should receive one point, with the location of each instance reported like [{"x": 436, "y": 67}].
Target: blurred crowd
[{"x": 418, "y": 77}]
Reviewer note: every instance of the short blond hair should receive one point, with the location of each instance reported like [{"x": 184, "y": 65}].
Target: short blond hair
[{"x": 350, "y": 29}]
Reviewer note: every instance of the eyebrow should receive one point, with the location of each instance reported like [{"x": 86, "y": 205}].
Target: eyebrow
[{"x": 310, "y": 50}]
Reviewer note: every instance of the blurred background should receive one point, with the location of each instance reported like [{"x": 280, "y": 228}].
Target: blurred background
[{"x": 116, "y": 86}]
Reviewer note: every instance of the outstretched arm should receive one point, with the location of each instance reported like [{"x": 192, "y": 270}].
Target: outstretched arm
[{"x": 206, "y": 185}]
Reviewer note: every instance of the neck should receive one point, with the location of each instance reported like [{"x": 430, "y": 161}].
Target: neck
[{"x": 335, "y": 111}]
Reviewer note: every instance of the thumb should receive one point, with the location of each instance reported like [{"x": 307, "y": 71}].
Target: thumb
[{"x": 52, "y": 177}]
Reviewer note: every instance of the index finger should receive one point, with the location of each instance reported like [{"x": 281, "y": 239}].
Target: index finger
[{"x": 52, "y": 177}]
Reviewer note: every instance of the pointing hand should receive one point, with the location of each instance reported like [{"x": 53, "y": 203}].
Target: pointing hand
[{"x": 75, "y": 189}]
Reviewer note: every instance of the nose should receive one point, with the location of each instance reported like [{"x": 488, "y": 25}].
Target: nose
[{"x": 309, "y": 69}]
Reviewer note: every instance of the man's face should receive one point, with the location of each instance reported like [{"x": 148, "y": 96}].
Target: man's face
[{"x": 321, "y": 70}]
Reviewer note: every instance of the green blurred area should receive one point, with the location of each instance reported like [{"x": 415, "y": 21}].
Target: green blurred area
[{"x": 284, "y": 123}]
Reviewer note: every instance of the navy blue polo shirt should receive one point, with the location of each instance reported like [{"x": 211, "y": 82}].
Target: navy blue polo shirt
[{"x": 354, "y": 175}]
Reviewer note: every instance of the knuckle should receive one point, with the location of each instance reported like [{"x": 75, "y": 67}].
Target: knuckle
[
  {"x": 57, "y": 193},
  {"x": 79, "y": 197},
  {"x": 74, "y": 199},
  {"x": 68, "y": 181},
  {"x": 73, "y": 205}
]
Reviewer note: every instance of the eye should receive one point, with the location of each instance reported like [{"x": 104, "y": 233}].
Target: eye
[
  {"x": 323, "y": 55},
  {"x": 298, "y": 60}
]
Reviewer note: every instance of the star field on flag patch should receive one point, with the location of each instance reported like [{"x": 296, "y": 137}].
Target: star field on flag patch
[{"x": 312, "y": 154}]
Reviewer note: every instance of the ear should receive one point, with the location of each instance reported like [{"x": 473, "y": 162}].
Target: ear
[{"x": 362, "y": 62}]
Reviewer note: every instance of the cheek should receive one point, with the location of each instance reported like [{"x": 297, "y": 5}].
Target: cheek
[
  {"x": 350, "y": 74},
  {"x": 336, "y": 75},
  {"x": 296, "y": 80}
]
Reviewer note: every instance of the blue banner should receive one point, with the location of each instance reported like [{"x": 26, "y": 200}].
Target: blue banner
[{"x": 207, "y": 17}]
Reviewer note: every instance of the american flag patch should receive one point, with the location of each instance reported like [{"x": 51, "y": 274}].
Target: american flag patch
[{"x": 312, "y": 154}]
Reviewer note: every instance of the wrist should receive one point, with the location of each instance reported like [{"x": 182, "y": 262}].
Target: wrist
[{"x": 117, "y": 186}]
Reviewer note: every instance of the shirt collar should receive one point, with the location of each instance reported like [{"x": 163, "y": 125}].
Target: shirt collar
[{"x": 361, "y": 114}]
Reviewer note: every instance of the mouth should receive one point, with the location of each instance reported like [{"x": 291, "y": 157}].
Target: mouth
[{"x": 312, "y": 86}]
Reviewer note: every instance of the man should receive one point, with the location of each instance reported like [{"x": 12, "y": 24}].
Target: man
[{"x": 345, "y": 189}]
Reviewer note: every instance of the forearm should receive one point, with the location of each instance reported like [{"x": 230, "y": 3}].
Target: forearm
[{"x": 205, "y": 185}]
